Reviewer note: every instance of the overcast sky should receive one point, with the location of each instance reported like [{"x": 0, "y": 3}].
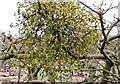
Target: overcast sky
[{"x": 7, "y": 9}]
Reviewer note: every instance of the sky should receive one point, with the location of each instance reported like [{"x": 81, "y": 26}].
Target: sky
[{"x": 7, "y": 10}]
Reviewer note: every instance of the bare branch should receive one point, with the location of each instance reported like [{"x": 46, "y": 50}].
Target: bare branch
[
  {"x": 103, "y": 32},
  {"x": 118, "y": 20},
  {"x": 114, "y": 37},
  {"x": 88, "y": 7},
  {"x": 110, "y": 7},
  {"x": 102, "y": 3}
]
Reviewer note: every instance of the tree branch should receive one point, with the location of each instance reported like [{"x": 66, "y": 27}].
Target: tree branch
[
  {"x": 112, "y": 74},
  {"x": 112, "y": 38},
  {"x": 39, "y": 9},
  {"x": 107, "y": 57},
  {"x": 103, "y": 32},
  {"x": 7, "y": 57},
  {"x": 76, "y": 57}
]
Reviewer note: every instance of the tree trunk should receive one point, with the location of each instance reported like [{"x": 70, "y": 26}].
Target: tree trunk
[
  {"x": 106, "y": 71},
  {"x": 115, "y": 71}
]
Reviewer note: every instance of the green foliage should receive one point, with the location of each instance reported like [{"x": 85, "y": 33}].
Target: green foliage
[{"x": 51, "y": 36}]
